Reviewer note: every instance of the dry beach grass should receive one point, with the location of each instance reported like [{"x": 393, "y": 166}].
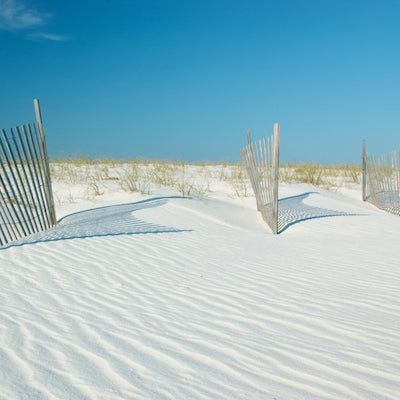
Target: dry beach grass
[{"x": 96, "y": 176}]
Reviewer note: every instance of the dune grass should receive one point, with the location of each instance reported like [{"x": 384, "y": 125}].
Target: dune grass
[
  {"x": 328, "y": 177},
  {"x": 188, "y": 179}
]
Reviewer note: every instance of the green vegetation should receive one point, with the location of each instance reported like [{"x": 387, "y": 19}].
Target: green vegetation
[
  {"x": 189, "y": 179},
  {"x": 328, "y": 177}
]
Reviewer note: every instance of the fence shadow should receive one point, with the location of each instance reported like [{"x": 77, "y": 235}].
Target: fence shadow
[
  {"x": 103, "y": 221},
  {"x": 292, "y": 210}
]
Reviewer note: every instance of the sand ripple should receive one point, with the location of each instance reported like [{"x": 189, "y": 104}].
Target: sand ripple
[{"x": 198, "y": 311}]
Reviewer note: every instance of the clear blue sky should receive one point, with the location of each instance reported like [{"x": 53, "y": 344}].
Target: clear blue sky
[{"x": 184, "y": 79}]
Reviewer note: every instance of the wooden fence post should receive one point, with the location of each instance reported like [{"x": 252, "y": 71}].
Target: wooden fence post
[
  {"x": 37, "y": 111},
  {"x": 49, "y": 191},
  {"x": 248, "y": 137},
  {"x": 276, "y": 175},
  {"x": 364, "y": 172}
]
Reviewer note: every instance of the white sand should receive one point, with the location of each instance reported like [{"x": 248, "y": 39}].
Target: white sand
[{"x": 171, "y": 298}]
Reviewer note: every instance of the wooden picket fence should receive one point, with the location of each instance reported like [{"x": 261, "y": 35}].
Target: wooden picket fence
[
  {"x": 261, "y": 159},
  {"x": 381, "y": 180},
  {"x": 26, "y": 199}
]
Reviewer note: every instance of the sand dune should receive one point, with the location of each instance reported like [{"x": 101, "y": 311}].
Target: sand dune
[{"x": 171, "y": 298}]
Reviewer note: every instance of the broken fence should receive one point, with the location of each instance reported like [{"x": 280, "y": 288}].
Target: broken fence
[
  {"x": 26, "y": 199},
  {"x": 381, "y": 180},
  {"x": 261, "y": 159}
]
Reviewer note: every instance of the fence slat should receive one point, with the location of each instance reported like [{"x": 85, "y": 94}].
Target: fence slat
[
  {"x": 40, "y": 213},
  {"x": 261, "y": 159},
  {"x": 8, "y": 213},
  {"x": 26, "y": 199},
  {"x": 29, "y": 186},
  {"x": 43, "y": 146},
  {"x": 382, "y": 180},
  {"x": 11, "y": 195}
]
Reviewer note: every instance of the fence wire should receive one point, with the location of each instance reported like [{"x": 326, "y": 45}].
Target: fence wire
[
  {"x": 261, "y": 159},
  {"x": 381, "y": 181},
  {"x": 26, "y": 201}
]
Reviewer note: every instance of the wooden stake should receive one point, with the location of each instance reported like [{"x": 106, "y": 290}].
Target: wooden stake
[
  {"x": 276, "y": 173},
  {"x": 364, "y": 172}
]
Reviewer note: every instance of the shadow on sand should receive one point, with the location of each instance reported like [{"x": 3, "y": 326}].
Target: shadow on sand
[
  {"x": 292, "y": 210},
  {"x": 120, "y": 220},
  {"x": 103, "y": 221}
]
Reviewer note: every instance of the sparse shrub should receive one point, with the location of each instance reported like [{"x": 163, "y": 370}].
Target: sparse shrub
[
  {"x": 239, "y": 180},
  {"x": 183, "y": 183},
  {"x": 134, "y": 178},
  {"x": 93, "y": 187},
  {"x": 354, "y": 173},
  {"x": 128, "y": 178},
  {"x": 328, "y": 177},
  {"x": 309, "y": 173},
  {"x": 163, "y": 173}
]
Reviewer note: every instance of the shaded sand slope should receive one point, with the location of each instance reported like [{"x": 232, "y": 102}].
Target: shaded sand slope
[{"x": 195, "y": 299}]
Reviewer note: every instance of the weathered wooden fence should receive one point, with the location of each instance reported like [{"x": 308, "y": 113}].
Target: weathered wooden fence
[
  {"x": 261, "y": 159},
  {"x": 26, "y": 199},
  {"x": 381, "y": 180}
]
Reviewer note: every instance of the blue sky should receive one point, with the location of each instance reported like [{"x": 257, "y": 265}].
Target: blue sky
[{"x": 184, "y": 79}]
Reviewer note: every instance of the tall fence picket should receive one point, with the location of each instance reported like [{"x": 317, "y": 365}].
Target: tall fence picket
[
  {"x": 26, "y": 200},
  {"x": 381, "y": 180},
  {"x": 262, "y": 164}
]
